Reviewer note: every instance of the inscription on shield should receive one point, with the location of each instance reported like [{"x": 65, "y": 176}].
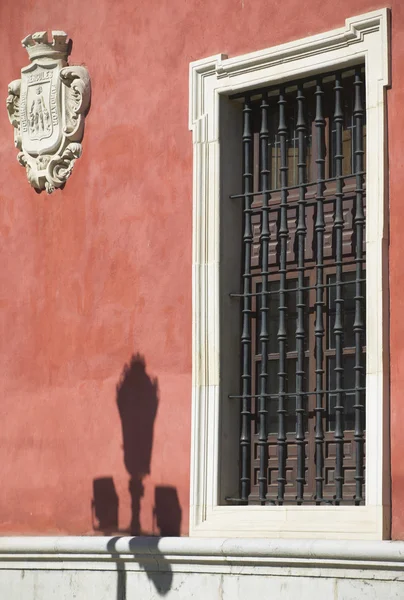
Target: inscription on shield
[{"x": 39, "y": 109}]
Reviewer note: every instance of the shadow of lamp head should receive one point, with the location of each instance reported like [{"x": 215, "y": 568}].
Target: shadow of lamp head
[
  {"x": 105, "y": 505},
  {"x": 167, "y": 511}
]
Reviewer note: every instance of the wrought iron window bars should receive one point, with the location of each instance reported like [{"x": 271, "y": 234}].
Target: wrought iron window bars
[{"x": 302, "y": 394}]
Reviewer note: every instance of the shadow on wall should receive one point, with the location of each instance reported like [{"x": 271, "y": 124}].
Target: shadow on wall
[
  {"x": 151, "y": 560},
  {"x": 105, "y": 506},
  {"x": 167, "y": 511},
  {"x": 137, "y": 401}
]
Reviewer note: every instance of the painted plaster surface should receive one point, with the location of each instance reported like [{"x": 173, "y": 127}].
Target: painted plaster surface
[{"x": 95, "y": 281}]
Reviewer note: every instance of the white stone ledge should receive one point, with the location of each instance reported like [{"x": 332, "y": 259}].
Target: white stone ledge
[{"x": 219, "y": 551}]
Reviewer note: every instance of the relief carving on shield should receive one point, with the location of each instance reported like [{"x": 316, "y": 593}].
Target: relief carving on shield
[{"x": 47, "y": 108}]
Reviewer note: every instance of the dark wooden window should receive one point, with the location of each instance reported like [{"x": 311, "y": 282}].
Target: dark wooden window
[{"x": 303, "y": 293}]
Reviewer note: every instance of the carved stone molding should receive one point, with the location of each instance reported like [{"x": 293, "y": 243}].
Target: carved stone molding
[{"x": 47, "y": 108}]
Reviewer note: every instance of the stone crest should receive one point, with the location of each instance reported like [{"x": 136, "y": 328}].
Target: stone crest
[{"x": 47, "y": 108}]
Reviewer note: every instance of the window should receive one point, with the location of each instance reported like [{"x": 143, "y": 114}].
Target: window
[
  {"x": 302, "y": 391},
  {"x": 312, "y": 481}
]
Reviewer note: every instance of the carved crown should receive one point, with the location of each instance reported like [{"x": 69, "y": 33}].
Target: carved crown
[{"x": 38, "y": 45}]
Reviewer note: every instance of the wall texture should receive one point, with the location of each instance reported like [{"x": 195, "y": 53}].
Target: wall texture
[{"x": 95, "y": 281}]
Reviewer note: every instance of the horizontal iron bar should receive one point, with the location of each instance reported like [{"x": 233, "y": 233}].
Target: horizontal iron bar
[
  {"x": 310, "y": 501},
  {"x": 307, "y": 268},
  {"x": 348, "y": 72},
  {"x": 291, "y": 394},
  {"x": 256, "y": 210},
  {"x": 310, "y": 287},
  {"x": 295, "y": 187}
]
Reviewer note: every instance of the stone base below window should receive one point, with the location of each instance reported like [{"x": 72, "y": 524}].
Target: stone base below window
[{"x": 52, "y": 568}]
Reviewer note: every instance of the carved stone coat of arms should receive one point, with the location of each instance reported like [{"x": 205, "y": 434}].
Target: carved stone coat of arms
[{"x": 47, "y": 108}]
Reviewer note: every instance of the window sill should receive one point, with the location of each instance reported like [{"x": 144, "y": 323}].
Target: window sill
[{"x": 324, "y": 522}]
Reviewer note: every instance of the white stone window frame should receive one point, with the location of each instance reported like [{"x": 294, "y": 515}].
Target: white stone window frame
[{"x": 215, "y": 123}]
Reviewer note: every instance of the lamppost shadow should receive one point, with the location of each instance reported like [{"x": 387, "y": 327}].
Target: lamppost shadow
[{"x": 137, "y": 401}]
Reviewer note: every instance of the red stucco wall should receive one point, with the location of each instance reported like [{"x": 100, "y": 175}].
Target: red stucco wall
[{"x": 101, "y": 272}]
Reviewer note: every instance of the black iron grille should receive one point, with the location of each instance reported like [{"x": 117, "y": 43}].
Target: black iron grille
[{"x": 302, "y": 301}]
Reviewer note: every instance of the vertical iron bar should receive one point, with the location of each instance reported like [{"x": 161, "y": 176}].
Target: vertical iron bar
[
  {"x": 263, "y": 335},
  {"x": 358, "y": 327},
  {"x": 245, "y": 438},
  {"x": 319, "y": 228},
  {"x": 301, "y": 230},
  {"x": 283, "y": 240},
  {"x": 339, "y": 302},
  {"x": 352, "y": 128}
]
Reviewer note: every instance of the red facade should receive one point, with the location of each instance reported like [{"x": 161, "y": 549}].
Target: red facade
[{"x": 96, "y": 279}]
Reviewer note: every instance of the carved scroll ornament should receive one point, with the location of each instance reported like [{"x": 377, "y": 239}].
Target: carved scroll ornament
[{"x": 47, "y": 108}]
